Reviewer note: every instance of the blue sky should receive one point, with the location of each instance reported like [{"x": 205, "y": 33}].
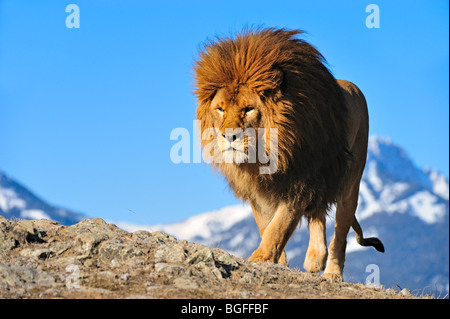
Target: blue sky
[{"x": 86, "y": 114}]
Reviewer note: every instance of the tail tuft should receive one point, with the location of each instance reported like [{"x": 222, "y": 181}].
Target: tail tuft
[{"x": 372, "y": 241}]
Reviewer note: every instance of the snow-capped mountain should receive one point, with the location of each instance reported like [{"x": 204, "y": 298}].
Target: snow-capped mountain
[
  {"x": 406, "y": 207},
  {"x": 16, "y": 201}
]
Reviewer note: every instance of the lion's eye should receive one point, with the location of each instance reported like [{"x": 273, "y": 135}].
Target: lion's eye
[
  {"x": 249, "y": 110},
  {"x": 220, "y": 110}
]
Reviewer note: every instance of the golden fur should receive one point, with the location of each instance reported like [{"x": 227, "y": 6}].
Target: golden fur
[{"x": 270, "y": 79}]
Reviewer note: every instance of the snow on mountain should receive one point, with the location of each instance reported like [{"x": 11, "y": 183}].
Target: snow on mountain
[
  {"x": 406, "y": 207},
  {"x": 203, "y": 225},
  {"x": 439, "y": 182},
  {"x": 392, "y": 184},
  {"x": 16, "y": 201}
]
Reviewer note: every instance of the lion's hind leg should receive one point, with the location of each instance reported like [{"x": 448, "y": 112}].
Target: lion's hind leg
[{"x": 345, "y": 212}]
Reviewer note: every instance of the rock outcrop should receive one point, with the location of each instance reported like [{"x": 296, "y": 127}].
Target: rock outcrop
[{"x": 94, "y": 259}]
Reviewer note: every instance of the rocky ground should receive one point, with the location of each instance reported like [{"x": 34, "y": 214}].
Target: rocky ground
[{"x": 93, "y": 259}]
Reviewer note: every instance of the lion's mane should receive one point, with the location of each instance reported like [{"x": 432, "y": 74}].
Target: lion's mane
[{"x": 302, "y": 100}]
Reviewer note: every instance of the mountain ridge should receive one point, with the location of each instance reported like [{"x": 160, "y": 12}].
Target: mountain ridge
[{"x": 16, "y": 201}]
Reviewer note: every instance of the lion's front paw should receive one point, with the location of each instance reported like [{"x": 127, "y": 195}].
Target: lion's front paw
[
  {"x": 283, "y": 260},
  {"x": 315, "y": 260},
  {"x": 336, "y": 277},
  {"x": 313, "y": 266},
  {"x": 259, "y": 256}
]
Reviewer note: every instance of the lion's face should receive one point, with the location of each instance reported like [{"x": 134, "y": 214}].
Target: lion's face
[{"x": 236, "y": 117}]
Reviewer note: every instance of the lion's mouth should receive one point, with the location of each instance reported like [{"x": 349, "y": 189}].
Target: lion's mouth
[
  {"x": 232, "y": 155},
  {"x": 233, "y": 151},
  {"x": 235, "y": 145},
  {"x": 239, "y": 147}
]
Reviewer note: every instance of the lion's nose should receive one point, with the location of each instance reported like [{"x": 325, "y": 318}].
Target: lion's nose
[{"x": 230, "y": 136}]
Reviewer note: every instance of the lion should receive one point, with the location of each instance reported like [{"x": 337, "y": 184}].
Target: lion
[{"x": 273, "y": 81}]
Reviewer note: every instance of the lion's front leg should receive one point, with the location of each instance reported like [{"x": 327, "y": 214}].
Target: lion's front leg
[
  {"x": 276, "y": 235},
  {"x": 316, "y": 254}
]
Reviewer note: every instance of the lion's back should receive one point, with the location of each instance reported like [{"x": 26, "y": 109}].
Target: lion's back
[{"x": 357, "y": 124}]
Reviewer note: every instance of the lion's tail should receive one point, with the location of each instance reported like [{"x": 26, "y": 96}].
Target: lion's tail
[{"x": 372, "y": 241}]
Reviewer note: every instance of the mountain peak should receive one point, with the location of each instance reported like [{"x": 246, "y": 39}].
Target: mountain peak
[
  {"x": 375, "y": 142},
  {"x": 392, "y": 183},
  {"x": 390, "y": 163},
  {"x": 19, "y": 202}
]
